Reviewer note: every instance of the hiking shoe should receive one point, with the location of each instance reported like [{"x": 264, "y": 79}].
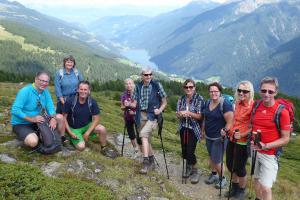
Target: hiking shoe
[
  {"x": 108, "y": 152},
  {"x": 233, "y": 191},
  {"x": 152, "y": 163},
  {"x": 145, "y": 167},
  {"x": 187, "y": 172},
  {"x": 212, "y": 179},
  {"x": 135, "y": 154},
  {"x": 240, "y": 194},
  {"x": 194, "y": 178},
  {"x": 67, "y": 144},
  {"x": 221, "y": 183}
]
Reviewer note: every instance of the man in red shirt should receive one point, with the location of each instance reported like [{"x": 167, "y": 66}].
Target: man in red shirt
[{"x": 266, "y": 165}]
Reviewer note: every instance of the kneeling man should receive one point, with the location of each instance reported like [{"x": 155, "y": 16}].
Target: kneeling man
[{"x": 82, "y": 116}]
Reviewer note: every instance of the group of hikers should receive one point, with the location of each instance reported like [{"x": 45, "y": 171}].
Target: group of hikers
[{"x": 228, "y": 128}]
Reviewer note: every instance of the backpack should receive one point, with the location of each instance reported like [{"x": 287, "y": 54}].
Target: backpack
[
  {"x": 224, "y": 97},
  {"x": 283, "y": 104},
  {"x": 50, "y": 141},
  {"x": 61, "y": 73}
]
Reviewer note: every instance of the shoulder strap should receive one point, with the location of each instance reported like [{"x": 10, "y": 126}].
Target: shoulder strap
[
  {"x": 222, "y": 99},
  {"x": 61, "y": 73},
  {"x": 277, "y": 116},
  {"x": 76, "y": 72},
  {"x": 255, "y": 106},
  {"x": 90, "y": 104}
]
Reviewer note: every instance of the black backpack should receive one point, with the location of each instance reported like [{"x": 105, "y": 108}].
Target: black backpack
[{"x": 49, "y": 140}]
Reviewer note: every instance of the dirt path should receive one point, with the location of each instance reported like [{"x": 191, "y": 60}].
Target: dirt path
[{"x": 200, "y": 191}]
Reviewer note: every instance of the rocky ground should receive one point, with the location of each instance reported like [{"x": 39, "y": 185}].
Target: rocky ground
[{"x": 83, "y": 167}]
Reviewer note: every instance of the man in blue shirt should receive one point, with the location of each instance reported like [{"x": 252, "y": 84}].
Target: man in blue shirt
[
  {"x": 82, "y": 116},
  {"x": 26, "y": 110}
]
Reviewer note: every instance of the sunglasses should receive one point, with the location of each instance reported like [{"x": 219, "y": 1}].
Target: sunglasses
[
  {"x": 243, "y": 91},
  {"x": 267, "y": 91},
  {"x": 189, "y": 87},
  {"x": 147, "y": 74}
]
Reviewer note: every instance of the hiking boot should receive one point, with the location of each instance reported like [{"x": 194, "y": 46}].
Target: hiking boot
[
  {"x": 146, "y": 166},
  {"x": 152, "y": 163},
  {"x": 240, "y": 194},
  {"x": 233, "y": 191},
  {"x": 212, "y": 179},
  {"x": 194, "y": 178},
  {"x": 187, "y": 172},
  {"x": 67, "y": 144},
  {"x": 221, "y": 183},
  {"x": 108, "y": 152},
  {"x": 135, "y": 154}
]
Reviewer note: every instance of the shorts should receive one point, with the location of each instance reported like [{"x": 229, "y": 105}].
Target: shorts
[
  {"x": 214, "y": 149},
  {"x": 147, "y": 126},
  {"x": 266, "y": 168},
  {"x": 23, "y": 130},
  {"x": 79, "y": 133}
]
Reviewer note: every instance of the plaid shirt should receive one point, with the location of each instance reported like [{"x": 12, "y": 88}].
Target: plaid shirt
[
  {"x": 195, "y": 105},
  {"x": 145, "y": 93}
]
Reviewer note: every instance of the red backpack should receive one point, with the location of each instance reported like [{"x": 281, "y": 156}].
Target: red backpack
[
  {"x": 287, "y": 104},
  {"x": 283, "y": 103}
]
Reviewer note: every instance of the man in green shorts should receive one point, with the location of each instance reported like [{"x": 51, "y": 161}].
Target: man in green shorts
[{"x": 82, "y": 116}]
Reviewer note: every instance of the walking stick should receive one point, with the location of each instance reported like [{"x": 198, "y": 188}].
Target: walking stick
[
  {"x": 222, "y": 162},
  {"x": 160, "y": 127},
  {"x": 233, "y": 162},
  {"x": 184, "y": 152},
  {"x": 256, "y": 139},
  {"x": 124, "y": 133},
  {"x": 123, "y": 139}
]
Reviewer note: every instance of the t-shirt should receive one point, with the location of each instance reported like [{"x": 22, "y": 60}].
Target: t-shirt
[
  {"x": 242, "y": 118},
  {"x": 263, "y": 120},
  {"x": 214, "y": 119},
  {"x": 127, "y": 116},
  {"x": 82, "y": 114}
]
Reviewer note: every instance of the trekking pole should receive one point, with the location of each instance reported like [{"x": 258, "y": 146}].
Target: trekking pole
[
  {"x": 222, "y": 162},
  {"x": 256, "y": 140},
  {"x": 233, "y": 161},
  {"x": 124, "y": 133},
  {"x": 184, "y": 152},
  {"x": 160, "y": 127}
]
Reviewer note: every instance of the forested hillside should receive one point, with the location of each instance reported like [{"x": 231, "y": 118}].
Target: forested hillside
[{"x": 24, "y": 51}]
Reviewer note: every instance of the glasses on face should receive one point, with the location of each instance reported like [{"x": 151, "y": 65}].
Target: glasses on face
[
  {"x": 43, "y": 81},
  {"x": 243, "y": 91},
  {"x": 267, "y": 91},
  {"x": 147, "y": 74},
  {"x": 189, "y": 87},
  {"x": 214, "y": 92}
]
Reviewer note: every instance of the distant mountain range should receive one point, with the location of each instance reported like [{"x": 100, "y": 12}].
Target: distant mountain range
[
  {"x": 15, "y": 11},
  {"x": 240, "y": 40},
  {"x": 31, "y": 41}
]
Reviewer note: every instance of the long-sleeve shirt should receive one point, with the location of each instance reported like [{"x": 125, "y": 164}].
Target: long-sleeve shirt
[
  {"x": 26, "y": 104},
  {"x": 67, "y": 85}
]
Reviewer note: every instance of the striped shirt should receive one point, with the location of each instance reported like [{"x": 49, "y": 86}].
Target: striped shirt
[{"x": 195, "y": 106}]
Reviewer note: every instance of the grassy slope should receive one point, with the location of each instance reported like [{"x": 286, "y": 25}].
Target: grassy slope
[{"x": 285, "y": 188}]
